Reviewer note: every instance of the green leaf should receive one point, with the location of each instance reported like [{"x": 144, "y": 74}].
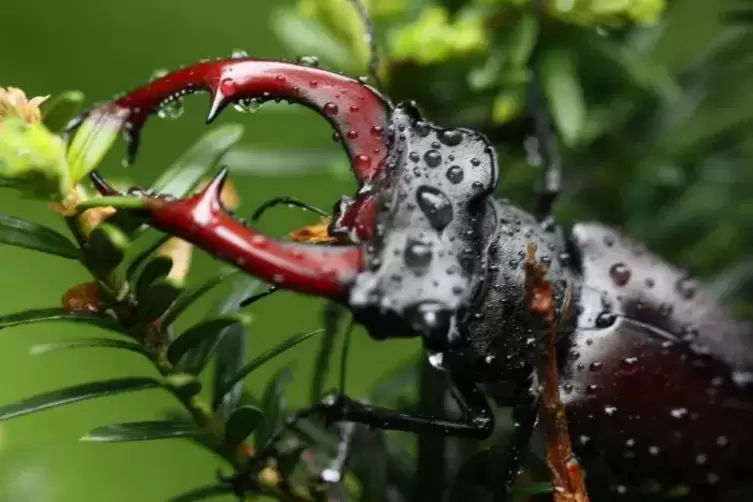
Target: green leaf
[
  {"x": 93, "y": 139},
  {"x": 302, "y": 36},
  {"x": 185, "y": 174},
  {"x": 188, "y": 299},
  {"x": 275, "y": 163},
  {"x": 107, "y": 246},
  {"x": 196, "y": 335},
  {"x": 230, "y": 348},
  {"x": 155, "y": 270},
  {"x": 184, "y": 385},
  {"x": 158, "y": 298},
  {"x": 273, "y": 405},
  {"x": 534, "y": 488},
  {"x": 59, "y": 314},
  {"x": 242, "y": 422},
  {"x": 564, "y": 93},
  {"x": 86, "y": 343},
  {"x": 263, "y": 358},
  {"x": 640, "y": 68},
  {"x": 395, "y": 383},
  {"x": 523, "y": 35},
  {"x": 143, "y": 256},
  {"x": 143, "y": 431},
  {"x": 332, "y": 314},
  {"x": 75, "y": 394},
  {"x": 26, "y": 234},
  {"x": 57, "y": 112}
]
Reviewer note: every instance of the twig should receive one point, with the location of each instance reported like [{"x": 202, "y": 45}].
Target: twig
[{"x": 567, "y": 475}]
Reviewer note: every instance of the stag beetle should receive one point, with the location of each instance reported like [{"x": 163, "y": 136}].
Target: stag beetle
[{"x": 656, "y": 376}]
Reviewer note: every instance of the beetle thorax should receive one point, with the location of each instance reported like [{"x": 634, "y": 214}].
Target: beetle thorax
[{"x": 424, "y": 261}]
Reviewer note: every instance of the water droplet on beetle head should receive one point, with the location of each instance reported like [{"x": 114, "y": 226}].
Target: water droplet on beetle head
[
  {"x": 435, "y": 205},
  {"x": 455, "y": 174},
  {"x": 620, "y": 274},
  {"x": 433, "y": 158},
  {"x": 417, "y": 254},
  {"x": 450, "y": 137}
]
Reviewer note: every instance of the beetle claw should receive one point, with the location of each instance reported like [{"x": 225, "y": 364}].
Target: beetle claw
[
  {"x": 203, "y": 221},
  {"x": 358, "y": 113}
]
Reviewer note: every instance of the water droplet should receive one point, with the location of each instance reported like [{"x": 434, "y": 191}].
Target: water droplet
[
  {"x": 436, "y": 360},
  {"x": 591, "y": 389},
  {"x": 620, "y": 274},
  {"x": 310, "y": 61},
  {"x": 722, "y": 441},
  {"x": 678, "y": 413},
  {"x": 435, "y": 205},
  {"x": 653, "y": 450},
  {"x": 742, "y": 378},
  {"x": 171, "y": 110},
  {"x": 455, "y": 174},
  {"x": 450, "y": 137},
  {"x": 433, "y": 158},
  {"x": 700, "y": 459},
  {"x": 610, "y": 410},
  {"x": 249, "y": 105},
  {"x": 595, "y": 366},
  {"x": 239, "y": 53},
  {"x": 629, "y": 365},
  {"x": 330, "y": 108},
  {"x": 352, "y": 134},
  {"x": 158, "y": 74},
  {"x": 417, "y": 254}
]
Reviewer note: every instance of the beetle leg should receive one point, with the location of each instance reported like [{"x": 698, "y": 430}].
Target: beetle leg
[{"x": 477, "y": 421}]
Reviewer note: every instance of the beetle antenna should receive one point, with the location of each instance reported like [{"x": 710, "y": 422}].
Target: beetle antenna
[
  {"x": 370, "y": 39},
  {"x": 544, "y": 133}
]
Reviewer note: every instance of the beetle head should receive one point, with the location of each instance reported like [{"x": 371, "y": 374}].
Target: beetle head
[
  {"x": 423, "y": 247},
  {"x": 413, "y": 227}
]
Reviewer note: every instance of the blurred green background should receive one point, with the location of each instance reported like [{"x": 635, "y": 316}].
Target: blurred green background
[{"x": 103, "y": 48}]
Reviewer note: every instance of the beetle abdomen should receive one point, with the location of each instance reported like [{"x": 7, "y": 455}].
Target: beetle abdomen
[{"x": 658, "y": 377}]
